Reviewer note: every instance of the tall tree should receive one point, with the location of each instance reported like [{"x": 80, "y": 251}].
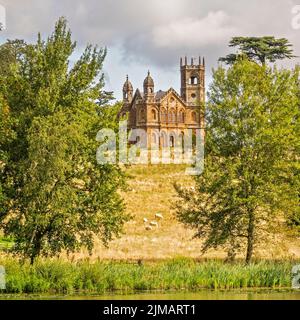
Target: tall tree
[
  {"x": 251, "y": 153},
  {"x": 259, "y": 49},
  {"x": 10, "y": 53},
  {"x": 59, "y": 197},
  {"x": 6, "y": 138},
  {"x": 293, "y": 220}
]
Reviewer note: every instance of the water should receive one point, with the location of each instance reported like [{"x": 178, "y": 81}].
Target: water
[{"x": 261, "y": 294}]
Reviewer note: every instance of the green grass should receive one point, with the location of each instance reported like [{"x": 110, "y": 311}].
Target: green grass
[
  {"x": 59, "y": 276},
  {"x": 5, "y": 243}
]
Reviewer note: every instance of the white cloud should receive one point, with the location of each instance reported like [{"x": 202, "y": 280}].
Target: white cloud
[
  {"x": 191, "y": 32},
  {"x": 2, "y": 17},
  {"x": 142, "y": 35}
]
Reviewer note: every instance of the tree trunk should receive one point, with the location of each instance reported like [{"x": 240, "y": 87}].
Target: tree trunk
[
  {"x": 32, "y": 257},
  {"x": 250, "y": 237},
  {"x": 36, "y": 247}
]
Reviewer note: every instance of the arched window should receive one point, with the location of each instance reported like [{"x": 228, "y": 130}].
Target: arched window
[
  {"x": 172, "y": 116},
  {"x": 172, "y": 141},
  {"x": 181, "y": 116},
  {"x": 193, "y": 80},
  {"x": 153, "y": 137},
  {"x": 153, "y": 114},
  {"x": 194, "y": 116},
  {"x": 181, "y": 140},
  {"x": 163, "y": 139},
  {"x": 163, "y": 115},
  {"x": 142, "y": 115}
]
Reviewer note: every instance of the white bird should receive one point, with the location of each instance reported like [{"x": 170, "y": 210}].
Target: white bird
[{"x": 145, "y": 220}]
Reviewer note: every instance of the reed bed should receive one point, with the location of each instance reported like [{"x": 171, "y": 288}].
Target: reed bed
[{"x": 60, "y": 276}]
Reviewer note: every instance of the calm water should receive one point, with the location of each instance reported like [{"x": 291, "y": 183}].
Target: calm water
[{"x": 262, "y": 294}]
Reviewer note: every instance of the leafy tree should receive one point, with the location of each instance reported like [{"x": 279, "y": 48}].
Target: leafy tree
[
  {"x": 6, "y": 137},
  {"x": 10, "y": 53},
  {"x": 59, "y": 197},
  {"x": 259, "y": 49},
  {"x": 293, "y": 220},
  {"x": 252, "y": 136}
]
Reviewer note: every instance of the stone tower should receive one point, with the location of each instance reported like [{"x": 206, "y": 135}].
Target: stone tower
[
  {"x": 192, "y": 81},
  {"x": 149, "y": 88},
  {"x": 127, "y": 91}
]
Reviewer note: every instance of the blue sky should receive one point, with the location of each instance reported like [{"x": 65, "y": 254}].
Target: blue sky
[{"x": 153, "y": 35}]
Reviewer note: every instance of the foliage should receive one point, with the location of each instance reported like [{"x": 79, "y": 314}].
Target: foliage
[
  {"x": 252, "y": 144},
  {"x": 59, "y": 198},
  {"x": 177, "y": 274},
  {"x": 259, "y": 49},
  {"x": 10, "y": 53},
  {"x": 6, "y": 137}
]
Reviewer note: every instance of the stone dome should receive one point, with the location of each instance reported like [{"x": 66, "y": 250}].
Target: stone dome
[
  {"x": 127, "y": 85},
  {"x": 148, "y": 82}
]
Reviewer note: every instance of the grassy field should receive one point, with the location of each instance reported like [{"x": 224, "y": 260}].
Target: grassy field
[
  {"x": 60, "y": 276},
  {"x": 151, "y": 191}
]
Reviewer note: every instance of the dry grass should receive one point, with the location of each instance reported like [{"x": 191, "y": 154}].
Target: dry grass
[{"x": 151, "y": 191}]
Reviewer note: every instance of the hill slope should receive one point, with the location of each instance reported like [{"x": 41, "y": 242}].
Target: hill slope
[{"x": 151, "y": 191}]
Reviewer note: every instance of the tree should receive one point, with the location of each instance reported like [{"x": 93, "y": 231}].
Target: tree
[
  {"x": 6, "y": 137},
  {"x": 10, "y": 53},
  {"x": 259, "y": 49},
  {"x": 59, "y": 197},
  {"x": 251, "y": 154},
  {"x": 293, "y": 220}
]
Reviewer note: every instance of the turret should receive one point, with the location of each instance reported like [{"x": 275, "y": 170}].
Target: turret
[
  {"x": 127, "y": 91},
  {"x": 192, "y": 81},
  {"x": 148, "y": 87}
]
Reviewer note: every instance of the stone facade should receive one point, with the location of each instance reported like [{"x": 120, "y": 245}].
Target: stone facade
[{"x": 162, "y": 114}]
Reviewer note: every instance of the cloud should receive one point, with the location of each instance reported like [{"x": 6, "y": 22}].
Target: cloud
[
  {"x": 153, "y": 34},
  {"x": 191, "y": 32},
  {"x": 153, "y": 31},
  {"x": 2, "y": 17}
]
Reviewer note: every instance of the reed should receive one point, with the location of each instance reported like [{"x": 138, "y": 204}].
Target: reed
[{"x": 60, "y": 276}]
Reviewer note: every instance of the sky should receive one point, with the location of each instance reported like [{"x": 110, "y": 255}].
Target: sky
[{"x": 153, "y": 35}]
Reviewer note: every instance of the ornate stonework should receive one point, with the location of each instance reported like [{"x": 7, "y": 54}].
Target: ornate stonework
[{"x": 167, "y": 112}]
